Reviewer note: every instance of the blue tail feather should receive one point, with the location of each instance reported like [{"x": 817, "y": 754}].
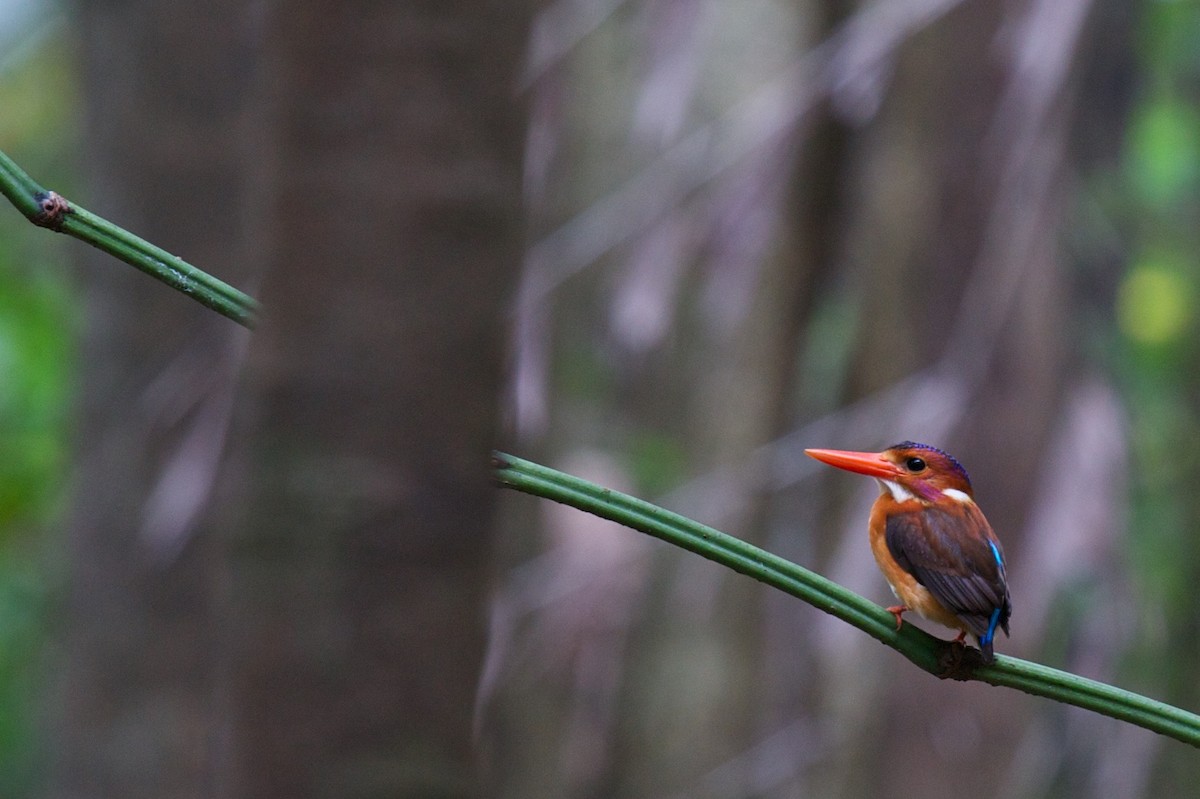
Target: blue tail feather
[{"x": 985, "y": 640}]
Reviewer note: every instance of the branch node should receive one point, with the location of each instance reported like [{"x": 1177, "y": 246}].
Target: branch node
[
  {"x": 957, "y": 661},
  {"x": 53, "y": 209}
]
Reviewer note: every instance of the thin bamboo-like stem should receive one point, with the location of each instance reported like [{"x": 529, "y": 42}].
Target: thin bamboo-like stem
[
  {"x": 47, "y": 209},
  {"x": 941, "y": 658}
]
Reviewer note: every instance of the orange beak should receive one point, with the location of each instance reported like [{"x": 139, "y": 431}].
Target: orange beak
[{"x": 872, "y": 464}]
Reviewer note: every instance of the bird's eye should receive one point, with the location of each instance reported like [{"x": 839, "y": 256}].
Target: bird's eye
[{"x": 915, "y": 465}]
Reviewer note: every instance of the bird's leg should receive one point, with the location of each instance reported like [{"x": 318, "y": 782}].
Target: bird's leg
[
  {"x": 898, "y": 611},
  {"x": 962, "y": 638}
]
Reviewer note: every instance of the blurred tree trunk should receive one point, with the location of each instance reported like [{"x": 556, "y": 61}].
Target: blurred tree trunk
[
  {"x": 329, "y": 644},
  {"x": 164, "y": 111},
  {"x": 389, "y": 223}
]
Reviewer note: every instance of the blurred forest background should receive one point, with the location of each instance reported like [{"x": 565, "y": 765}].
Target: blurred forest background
[{"x": 665, "y": 245}]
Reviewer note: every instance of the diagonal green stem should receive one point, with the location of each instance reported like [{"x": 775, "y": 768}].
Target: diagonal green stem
[
  {"x": 46, "y": 209},
  {"x": 927, "y": 652}
]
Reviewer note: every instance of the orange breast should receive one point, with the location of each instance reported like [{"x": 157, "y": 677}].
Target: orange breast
[{"x": 911, "y": 593}]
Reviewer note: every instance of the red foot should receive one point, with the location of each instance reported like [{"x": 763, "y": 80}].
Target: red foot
[
  {"x": 898, "y": 611},
  {"x": 962, "y": 638}
]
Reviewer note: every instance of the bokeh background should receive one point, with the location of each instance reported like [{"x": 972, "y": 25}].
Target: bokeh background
[{"x": 662, "y": 244}]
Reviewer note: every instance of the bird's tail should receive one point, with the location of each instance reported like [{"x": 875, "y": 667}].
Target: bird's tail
[
  {"x": 985, "y": 649},
  {"x": 985, "y": 640}
]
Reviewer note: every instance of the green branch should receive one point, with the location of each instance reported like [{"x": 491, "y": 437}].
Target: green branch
[
  {"x": 49, "y": 210},
  {"x": 942, "y": 658}
]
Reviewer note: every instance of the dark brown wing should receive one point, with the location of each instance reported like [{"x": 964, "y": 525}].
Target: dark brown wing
[{"x": 954, "y": 553}]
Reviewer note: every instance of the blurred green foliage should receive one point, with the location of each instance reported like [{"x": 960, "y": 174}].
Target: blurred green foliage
[
  {"x": 1158, "y": 359},
  {"x": 37, "y": 311},
  {"x": 36, "y": 306},
  {"x": 1156, "y": 297}
]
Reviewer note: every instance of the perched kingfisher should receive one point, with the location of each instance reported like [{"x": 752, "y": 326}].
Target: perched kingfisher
[{"x": 931, "y": 541}]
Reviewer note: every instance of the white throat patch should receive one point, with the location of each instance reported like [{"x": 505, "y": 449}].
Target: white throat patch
[
  {"x": 957, "y": 496},
  {"x": 898, "y": 492}
]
